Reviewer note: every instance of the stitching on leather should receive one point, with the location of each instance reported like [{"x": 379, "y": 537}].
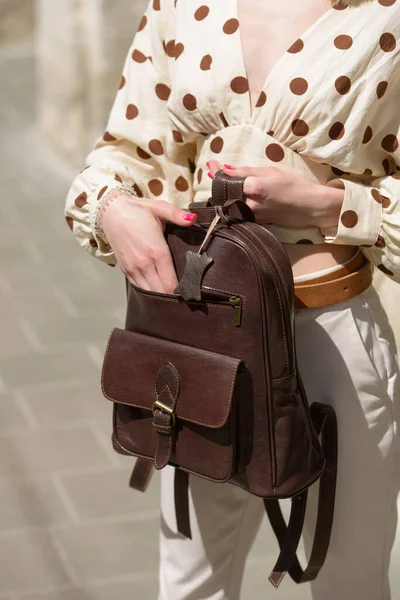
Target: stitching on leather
[
  {"x": 235, "y": 369},
  {"x": 280, "y": 303},
  {"x": 176, "y": 375}
]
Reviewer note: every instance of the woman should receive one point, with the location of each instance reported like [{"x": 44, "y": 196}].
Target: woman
[{"x": 318, "y": 126}]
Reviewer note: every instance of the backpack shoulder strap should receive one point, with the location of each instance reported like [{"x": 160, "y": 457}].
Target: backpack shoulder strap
[{"x": 324, "y": 420}]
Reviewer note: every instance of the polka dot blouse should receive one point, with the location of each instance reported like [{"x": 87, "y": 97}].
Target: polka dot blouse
[{"x": 329, "y": 109}]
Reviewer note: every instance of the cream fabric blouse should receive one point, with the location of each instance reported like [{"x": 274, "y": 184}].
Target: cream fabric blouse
[{"x": 329, "y": 108}]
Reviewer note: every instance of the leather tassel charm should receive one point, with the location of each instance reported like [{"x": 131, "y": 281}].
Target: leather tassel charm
[{"x": 196, "y": 265}]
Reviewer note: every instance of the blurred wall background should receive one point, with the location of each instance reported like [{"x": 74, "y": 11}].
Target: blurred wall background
[{"x": 70, "y": 528}]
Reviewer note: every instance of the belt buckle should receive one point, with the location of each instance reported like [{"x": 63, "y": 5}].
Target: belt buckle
[{"x": 164, "y": 408}]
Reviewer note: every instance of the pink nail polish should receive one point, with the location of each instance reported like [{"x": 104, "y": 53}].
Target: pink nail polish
[
  {"x": 189, "y": 216},
  {"x": 208, "y": 164},
  {"x": 229, "y": 167},
  {"x": 209, "y": 174}
]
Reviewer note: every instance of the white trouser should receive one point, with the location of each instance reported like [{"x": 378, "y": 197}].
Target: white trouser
[{"x": 347, "y": 358}]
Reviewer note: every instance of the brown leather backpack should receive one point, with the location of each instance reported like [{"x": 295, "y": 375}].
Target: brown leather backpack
[{"x": 207, "y": 380}]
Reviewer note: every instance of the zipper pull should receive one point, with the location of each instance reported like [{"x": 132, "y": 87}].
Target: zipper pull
[{"x": 236, "y": 302}]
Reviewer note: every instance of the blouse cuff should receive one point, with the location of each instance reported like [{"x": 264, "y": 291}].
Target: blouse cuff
[{"x": 360, "y": 217}]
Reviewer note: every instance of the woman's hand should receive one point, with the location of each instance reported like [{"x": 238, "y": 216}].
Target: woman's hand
[
  {"x": 134, "y": 228},
  {"x": 284, "y": 198}
]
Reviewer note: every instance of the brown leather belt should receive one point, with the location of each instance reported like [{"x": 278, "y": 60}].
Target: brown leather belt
[{"x": 351, "y": 280}]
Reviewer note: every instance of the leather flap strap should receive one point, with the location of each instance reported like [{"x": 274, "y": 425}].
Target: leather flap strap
[{"x": 167, "y": 386}]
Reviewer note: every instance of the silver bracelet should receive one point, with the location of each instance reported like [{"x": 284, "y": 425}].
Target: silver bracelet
[{"x": 103, "y": 204}]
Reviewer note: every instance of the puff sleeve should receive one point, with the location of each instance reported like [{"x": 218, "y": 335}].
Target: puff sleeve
[
  {"x": 138, "y": 148},
  {"x": 370, "y": 217}
]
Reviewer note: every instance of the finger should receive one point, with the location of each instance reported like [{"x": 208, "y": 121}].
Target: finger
[
  {"x": 214, "y": 166},
  {"x": 255, "y": 187},
  {"x": 153, "y": 280},
  {"x": 141, "y": 281},
  {"x": 166, "y": 271},
  {"x": 165, "y": 211},
  {"x": 249, "y": 171}
]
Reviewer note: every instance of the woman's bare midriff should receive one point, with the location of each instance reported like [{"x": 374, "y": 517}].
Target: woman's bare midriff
[
  {"x": 267, "y": 29},
  {"x": 309, "y": 259}
]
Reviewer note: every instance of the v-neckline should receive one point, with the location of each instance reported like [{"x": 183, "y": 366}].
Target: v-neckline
[{"x": 280, "y": 60}]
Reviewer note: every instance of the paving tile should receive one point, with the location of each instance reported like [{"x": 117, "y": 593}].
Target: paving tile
[
  {"x": 69, "y": 402},
  {"x": 136, "y": 589},
  {"x": 28, "y": 562},
  {"x": 110, "y": 549},
  {"x": 29, "y": 504},
  {"x": 56, "y": 330},
  {"x": 44, "y": 450},
  {"x": 107, "y": 493},
  {"x": 11, "y": 417},
  {"x": 71, "y": 363}
]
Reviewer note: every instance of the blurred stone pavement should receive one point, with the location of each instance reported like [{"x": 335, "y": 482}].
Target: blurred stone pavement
[{"x": 70, "y": 528}]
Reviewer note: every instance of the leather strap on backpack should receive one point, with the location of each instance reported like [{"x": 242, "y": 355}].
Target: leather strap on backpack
[{"x": 324, "y": 419}]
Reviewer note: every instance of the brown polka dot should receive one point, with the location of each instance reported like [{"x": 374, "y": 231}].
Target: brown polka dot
[
  {"x": 156, "y": 147},
  {"x": 239, "y": 85},
  {"x": 181, "y": 184},
  {"x": 274, "y": 152},
  {"x": 270, "y": 133},
  {"x": 230, "y": 26},
  {"x": 387, "y": 42},
  {"x": 381, "y": 88},
  {"x": 376, "y": 196},
  {"x": 217, "y": 144},
  {"x": 107, "y": 137},
  {"x": 122, "y": 82},
  {"x": 367, "y": 135},
  {"x": 170, "y": 48},
  {"x": 298, "y": 86},
  {"x": 93, "y": 243},
  {"x": 142, "y": 23},
  {"x": 163, "y": 91},
  {"x": 296, "y": 47},
  {"x": 118, "y": 178},
  {"x": 179, "y": 48},
  {"x": 343, "y": 85},
  {"x": 201, "y": 13},
  {"x": 390, "y": 143},
  {"x": 337, "y": 172},
  {"x": 156, "y": 187},
  {"x": 340, "y": 6},
  {"x": 101, "y": 192},
  {"x": 388, "y": 165},
  {"x": 199, "y": 175},
  {"x": 205, "y": 63},
  {"x": 192, "y": 166},
  {"x": 336, "y": 132},
  {"x": 304, "y": 241},
  {"x": 132, "y": 111},
  {"x": 138, "y": 56},
  {"x": 367, "y": 172},
  {"x": 189, "y": 102},
  {"x": 386, "y": 2},
  {"x": 81, "y": 200},
  {"x": 343, "y": 42},
  {"x": 380, "y": 242},
  {"x": 385, "y": 270},
  {"x": 262, "y": 98},
  {"x": 300, "y": 127},
  {"x": 177, "y": 136},
  {"x": 385, "y": 201},
  {"x": 70, "y": 222},
  {"x": 156, "y": 5},
  {"x": 349, "y": 218},
  {"x": 142, "y": 153}
]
